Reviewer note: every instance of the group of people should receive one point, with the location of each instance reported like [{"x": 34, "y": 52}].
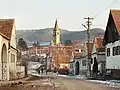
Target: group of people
[{"x": 41, "y": 71}]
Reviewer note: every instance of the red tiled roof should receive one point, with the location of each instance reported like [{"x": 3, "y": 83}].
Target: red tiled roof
[
  {"x": 116, "y": 18},
  {"x": 6, "y": 26}
]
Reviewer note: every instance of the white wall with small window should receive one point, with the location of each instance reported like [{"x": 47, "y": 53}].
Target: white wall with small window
[
  {"x": 12, "y": 58},
  {"x": 113, "y": 55},
  {"x": 12, "y": 63},
  {"x": 83, "y": 66}
]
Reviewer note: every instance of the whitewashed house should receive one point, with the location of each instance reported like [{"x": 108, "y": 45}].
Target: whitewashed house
[
  {"x": 8, "y": 51},
  {"x": 75, "y": 60},
  {"x": 85, "y": 55},
  {"x": 112, "y": 43},
  {"x": 82, "y": 61},
  {"x": 79, "y": 62},
  {"x": 98, "y": 55}
]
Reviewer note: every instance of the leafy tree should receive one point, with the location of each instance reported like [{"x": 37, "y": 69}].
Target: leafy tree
[{"x": 22, "y": 45}]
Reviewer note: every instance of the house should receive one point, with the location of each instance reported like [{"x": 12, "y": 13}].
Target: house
[
  {"x": 61, "y": 55},
  {"x": 98, "y": 55},
  {"x": 76, "y": 59},
  {"x": 111, "y": 42},
  {"x": 79, "y": 61},
  {"x": 8, "y": 51},
  {"x": 40, "y": 50},
  {"x": 85, "y": 65}
]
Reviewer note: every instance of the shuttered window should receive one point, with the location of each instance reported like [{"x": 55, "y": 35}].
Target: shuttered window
[
  {"x": 108, "y": 51},
  {"x": 114, "y": 51},
  {"x": 118, "y": 50}
]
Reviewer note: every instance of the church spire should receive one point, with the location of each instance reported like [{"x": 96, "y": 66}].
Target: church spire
[
  {"x": 56, "y": 24},
  {"x": 56, "y": 34}
]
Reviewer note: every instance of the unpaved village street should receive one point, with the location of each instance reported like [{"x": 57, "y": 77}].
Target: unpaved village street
[
  {"x": 72, "y": 84},
  {"x": 52, "y": 83}
]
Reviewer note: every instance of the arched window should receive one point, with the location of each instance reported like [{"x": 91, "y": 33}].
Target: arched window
[
  {"x": 108, "y": 51},
  {"x": 118, "y": 50},
  {"x": 114, "y": 51}
]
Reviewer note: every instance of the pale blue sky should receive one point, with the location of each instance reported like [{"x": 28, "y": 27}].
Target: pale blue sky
[{"x": 32, "y": 14}]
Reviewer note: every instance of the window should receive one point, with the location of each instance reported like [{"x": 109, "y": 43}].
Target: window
[
  {"x": 114, "y": 51},
  {"x": 71, "y": 65},
  {"x": 77, "y": 50},
  {"x": 118, "y": 50},
  {"x": 108, "y": 51},
  {"x": 83, "y": 62},
  {"x": 12, "y": 58}
]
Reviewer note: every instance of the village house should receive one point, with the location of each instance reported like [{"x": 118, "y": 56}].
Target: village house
[
  {"x": 98, "y": 55},
  {"x": 112, "y": 43},
  {"x": 8, "y": 51},
  {"x": 41, "y": 50},
  {"x": 76, "y": 58},
  {"x": 79, "y": 62},
  {"x": 85, "y": 59},
  {"x": 61, "y": 55}
]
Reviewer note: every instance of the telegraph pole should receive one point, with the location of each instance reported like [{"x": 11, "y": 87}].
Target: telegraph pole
[{"x": 88, "y": 23}]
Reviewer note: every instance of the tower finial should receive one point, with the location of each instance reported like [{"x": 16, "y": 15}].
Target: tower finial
[{"x": 56, "y": 24}]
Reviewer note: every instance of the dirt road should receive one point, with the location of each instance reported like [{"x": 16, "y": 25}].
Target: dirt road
[
  {"x": 33, "y": 83},
  {"x": 72, "y": 84},
  {"x": 53, "y": 83}
]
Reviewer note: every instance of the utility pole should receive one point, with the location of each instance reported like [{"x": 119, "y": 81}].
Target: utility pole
[{"x": 88, "y": 23}]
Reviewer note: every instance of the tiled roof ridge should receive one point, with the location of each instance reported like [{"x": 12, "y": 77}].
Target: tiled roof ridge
[{"x": 6, "y": 27}]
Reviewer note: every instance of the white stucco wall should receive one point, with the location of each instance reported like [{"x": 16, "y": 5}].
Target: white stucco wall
[
  {"x": 101, "y": 58},
  {"x": 13, "y": 37},
  {"x": 112, "y": 62},
  {"x": 20, "y": 71},
  {"x": 82, "y": 68},
  {"x": 3, "y": 41},
  {"x": 12, "y": 65}
]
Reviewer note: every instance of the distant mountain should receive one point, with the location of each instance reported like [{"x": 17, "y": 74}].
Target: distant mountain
[{"x": 46, "y": 34}]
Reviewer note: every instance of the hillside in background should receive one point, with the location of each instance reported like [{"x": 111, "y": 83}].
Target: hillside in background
[{"x": 46, "y": 34}]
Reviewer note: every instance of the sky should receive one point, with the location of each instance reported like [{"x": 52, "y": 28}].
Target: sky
[{"x": 39, "y": 14}]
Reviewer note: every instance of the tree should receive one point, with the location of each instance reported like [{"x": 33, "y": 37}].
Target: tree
[
  {"x": 68, "y": 42},
  {"x": 22, "y": 45}
]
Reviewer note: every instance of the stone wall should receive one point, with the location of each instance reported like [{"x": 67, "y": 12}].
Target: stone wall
[{"x": 20, "y": 71}]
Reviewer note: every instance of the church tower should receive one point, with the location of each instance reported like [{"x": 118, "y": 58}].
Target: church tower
[{"x": 56, "y": 34}]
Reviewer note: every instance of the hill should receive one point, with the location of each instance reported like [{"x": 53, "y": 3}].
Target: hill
[{"x": 46, "y": 34}]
